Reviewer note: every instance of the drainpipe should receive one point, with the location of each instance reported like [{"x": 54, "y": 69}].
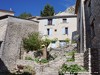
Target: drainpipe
[
  {"x": 81, "y": 40},
  {"x": 84, "y": 29}
]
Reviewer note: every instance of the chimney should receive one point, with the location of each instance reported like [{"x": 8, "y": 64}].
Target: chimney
[{"x": 11, "y": 9}]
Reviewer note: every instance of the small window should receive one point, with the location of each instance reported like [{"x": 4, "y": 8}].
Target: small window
[
  {"x": 66, "y": 30},
  {"x": 64, "y": 20},
  {"x": 49, "y": 31},
  {"x": 49, "y": 21}
]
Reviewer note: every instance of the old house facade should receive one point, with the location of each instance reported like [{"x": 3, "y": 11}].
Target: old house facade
[
  {"x": 90, "y": 27},
  {"x": 59, "y": 27}
]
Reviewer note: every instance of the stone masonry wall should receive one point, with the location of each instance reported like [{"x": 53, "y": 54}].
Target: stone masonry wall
[
  {"x": 3, "y": 27},
  {"x": 92, "y": 8},
  {"x": 16, "y": 30}
]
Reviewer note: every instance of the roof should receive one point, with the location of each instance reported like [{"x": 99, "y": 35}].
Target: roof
[
  {"x": 53, "y": 17},
  {"x": 1, "y": 10},
  {"x": 6, "y": 16}
]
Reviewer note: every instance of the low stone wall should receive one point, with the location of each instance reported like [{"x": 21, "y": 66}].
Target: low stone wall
[{"x": 79, "y": 59}]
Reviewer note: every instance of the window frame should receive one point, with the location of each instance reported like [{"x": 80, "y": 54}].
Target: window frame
[
  {"x": 66, "y": 30},
  {"x": 64, "y": 20},
  {"x": 50, "y": 21}
]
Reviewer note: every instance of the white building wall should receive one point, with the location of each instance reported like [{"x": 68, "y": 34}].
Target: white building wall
[
  {"x": 6, "y": 13},
  {"x": 58, "y": 25}
]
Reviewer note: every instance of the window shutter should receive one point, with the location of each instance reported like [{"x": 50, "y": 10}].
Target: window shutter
[
  {"x": 63, "y": 30},
  {"x": 50, "y": 31}
]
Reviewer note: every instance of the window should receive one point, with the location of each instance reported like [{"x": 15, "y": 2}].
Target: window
[
  {"x": 66, "y": 30},
  {"x": 64, "y": 20},
  {"x": 49, "y": 31},
  {"x": 49, "y": 21}
]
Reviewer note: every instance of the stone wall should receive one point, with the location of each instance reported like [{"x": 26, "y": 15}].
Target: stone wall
[
  {"x": 92, "y": 15},
  {"x": 79, "y": 59},
  {"x": 3, "y": 27},
  {"x": 16, "y": 30}
]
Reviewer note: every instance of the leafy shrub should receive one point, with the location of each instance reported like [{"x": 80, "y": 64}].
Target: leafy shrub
[
  {"x": 28, "y": 58},
  {"x": 72, "y": 69},
  {"x": 70, "y": 60},
  {"x": 67, "y": 40},
  {"x": 36, "y": 60},
  {"x": 32, "y": 42},
  {"x": 44, "y": 61}
]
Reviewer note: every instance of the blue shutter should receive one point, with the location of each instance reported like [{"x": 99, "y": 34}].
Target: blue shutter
[
  {"x": 50, "y": 32},
  {"x": 63, "y": 30}
]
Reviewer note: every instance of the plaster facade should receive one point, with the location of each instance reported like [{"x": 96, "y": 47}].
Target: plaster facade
[{"x": 64, "y": 25}]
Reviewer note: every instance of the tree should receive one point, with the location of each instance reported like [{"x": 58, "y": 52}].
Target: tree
[
  {"x": 48, "y": 10},
  {"x": 32, "y": 42},
  {"x": 25, "y": 15}
]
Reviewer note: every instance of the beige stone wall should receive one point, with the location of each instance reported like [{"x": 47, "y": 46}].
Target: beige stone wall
[{"x": 16, "y": 30}]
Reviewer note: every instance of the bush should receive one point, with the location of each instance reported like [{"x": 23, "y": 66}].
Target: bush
[
  {"x": 32, "y": 42},
  {"x": 28, "y": 58},
  {"x": 70, "y": 60},
  {"x": 67, "y": 40},
  {"x": 72, "y": 69},
  {"x": 44, "y": 61},
  {"x": 36, "y": 60}
]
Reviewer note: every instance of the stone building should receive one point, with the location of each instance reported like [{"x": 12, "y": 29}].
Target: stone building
[
  {"x": 88, "y": 12},
  {"x": 6, "y": 12},
  {"x": 60, "y": 26},
  {"x": 12, "y": 30}
]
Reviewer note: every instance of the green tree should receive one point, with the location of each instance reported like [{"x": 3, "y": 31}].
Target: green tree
[
  {"x": 47, "y": 11},
  {"x": 32, "y": 42},
  {"x": 25, "y": 15}
]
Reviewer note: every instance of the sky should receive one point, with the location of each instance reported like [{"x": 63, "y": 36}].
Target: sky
[{"x": 34, "y": 6}]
